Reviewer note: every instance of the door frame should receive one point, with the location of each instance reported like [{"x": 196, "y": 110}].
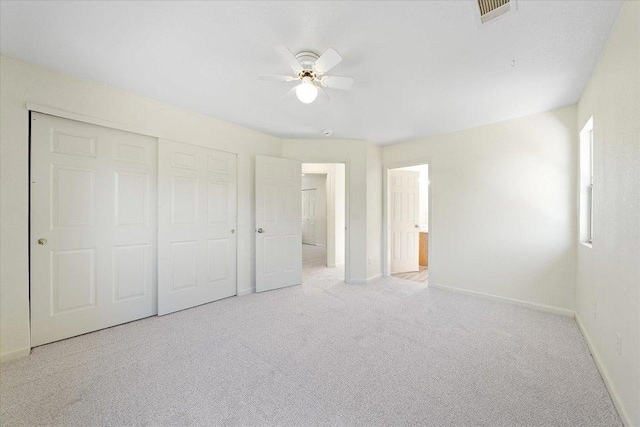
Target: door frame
[
  {"x": 91, "y": 120},
  {"x": 347, "y": 203},
  {"x": 386, "y": 226}
]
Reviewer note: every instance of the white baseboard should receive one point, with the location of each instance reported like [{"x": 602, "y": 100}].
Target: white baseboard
[
  {"x": 15, "y": 354},
  {"x": 540, "y": 307},
  {"x": 243, "y": 292},
  {"x": 604, "y": 374},
  {"x": 377, "y": 276}
]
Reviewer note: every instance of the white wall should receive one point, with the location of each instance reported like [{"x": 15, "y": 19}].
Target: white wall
[
  {"x": 21, "y": 83},
  {"x": 318, "y": 182},
  {"x": 503, "y": 215},
  {"x": 608, "y": 274}
]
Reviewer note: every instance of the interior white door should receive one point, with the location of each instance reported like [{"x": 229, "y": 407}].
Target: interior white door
[
  {"x": 404, "y": 191},
  {"x": 93, "y": 227},
  {"x": 197, "y": 218},
  {"x": 309, "y": 217},
  {"x": 278, "y": 228}
]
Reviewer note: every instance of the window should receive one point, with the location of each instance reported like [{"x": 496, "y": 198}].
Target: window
[{"x": 586, "y": 183}]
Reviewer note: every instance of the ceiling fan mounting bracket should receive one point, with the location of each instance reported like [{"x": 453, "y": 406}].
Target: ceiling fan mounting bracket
[{"x": 306, "y": 58}]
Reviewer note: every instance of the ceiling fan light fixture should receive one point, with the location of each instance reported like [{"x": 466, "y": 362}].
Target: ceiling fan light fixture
[
  {"x": 310, "y": 70},
  {"x": 306, "y": 91}
]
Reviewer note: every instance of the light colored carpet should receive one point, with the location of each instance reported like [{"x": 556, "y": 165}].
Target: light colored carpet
[
  {"x": 391, "y": 352},
  {"x": 314, "y": 263}
]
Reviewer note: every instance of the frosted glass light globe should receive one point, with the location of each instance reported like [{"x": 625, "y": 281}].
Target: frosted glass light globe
[{"x": 306, "y": 91}]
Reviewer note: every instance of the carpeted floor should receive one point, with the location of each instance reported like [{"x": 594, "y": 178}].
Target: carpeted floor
[
  {"x": 391, "y": 352},
  {"x": 314, "y": 263}
]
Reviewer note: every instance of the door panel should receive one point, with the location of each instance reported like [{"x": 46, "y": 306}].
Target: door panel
[
  {"x": 404, "y": 212},
  {"x": 131, "y": 276},
  {"x": 197, "y": 217},
  {"x": 73, "y": 280},
  {"x": 93, "y": 198},
  {"x": 308, "y": 217},
  {"x": 278, "y": 228}
]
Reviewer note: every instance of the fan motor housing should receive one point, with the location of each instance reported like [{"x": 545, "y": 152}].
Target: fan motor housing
[
  {"x": 307, "y": 73},
  {"x": 307, "y": 58}
]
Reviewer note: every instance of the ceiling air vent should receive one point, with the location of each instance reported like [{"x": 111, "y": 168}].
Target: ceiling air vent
[{"x": 491, "y": 9}]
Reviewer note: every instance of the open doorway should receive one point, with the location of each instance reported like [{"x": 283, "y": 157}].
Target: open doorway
[
  {"x": 323, "y": 220},
  {"x": 408, "y": 222}
]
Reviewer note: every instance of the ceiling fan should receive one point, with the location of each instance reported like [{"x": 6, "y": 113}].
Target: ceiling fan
[{"x": 310, "y": 70}]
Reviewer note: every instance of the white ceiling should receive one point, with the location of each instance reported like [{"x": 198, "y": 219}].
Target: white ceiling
[{"x": 421, "y": 68}]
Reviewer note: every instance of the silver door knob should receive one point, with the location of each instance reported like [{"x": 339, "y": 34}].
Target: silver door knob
[
  {"x": 42, "y": 241},
  {"x": 260, "y": 230},
  {"x": 233, "y": 231},
  {"x": 416, "y": 226}
]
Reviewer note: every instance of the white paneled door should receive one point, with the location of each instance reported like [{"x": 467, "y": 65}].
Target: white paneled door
[
  {"x": 278, "y": 228},
  {"x": 404, "y": 211},
  {"x": 197, "y": 226},
  {"x": 93, "y": 227},
  {"x": 309, "y": 217}
]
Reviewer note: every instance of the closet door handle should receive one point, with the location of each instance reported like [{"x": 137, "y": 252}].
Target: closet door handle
[{"x": 260, "y": 230}]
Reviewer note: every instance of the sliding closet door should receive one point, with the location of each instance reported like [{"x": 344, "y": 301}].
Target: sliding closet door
[
  {"x": 197, "y": 226},
  {"x": 93, "y": 227}
]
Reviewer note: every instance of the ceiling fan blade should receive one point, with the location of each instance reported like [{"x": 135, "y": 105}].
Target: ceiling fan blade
[
  {"x": 329, "y": 59},
  {"x": 337, "y": 82},
  {"x": 324, "y": 93},
  {"x": 289, "y": 93},
  {"x": 278, "y": 78},
  {"x": 290, "y": 58}
]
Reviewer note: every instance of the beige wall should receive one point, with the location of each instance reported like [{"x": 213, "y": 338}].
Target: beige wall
[
  {"x": 608, "y": 274},
  {"x": 21, "y": 83},
  {"x": 503, "y": 214}
]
